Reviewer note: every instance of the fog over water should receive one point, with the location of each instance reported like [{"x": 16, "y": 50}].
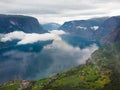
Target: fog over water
[{"x": 40, "y": 58}]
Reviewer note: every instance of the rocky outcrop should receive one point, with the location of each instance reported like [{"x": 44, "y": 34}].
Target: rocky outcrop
[{"x": 24, "y": 85}]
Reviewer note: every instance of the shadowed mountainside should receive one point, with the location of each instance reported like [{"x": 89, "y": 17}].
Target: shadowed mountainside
[{"x": 10, "y": 23}]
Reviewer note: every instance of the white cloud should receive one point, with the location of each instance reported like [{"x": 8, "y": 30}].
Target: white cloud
[
  {"x": 80, "y": 55},
  {"x": 65, "y": 56},
  {"x": 57, "y": 32},
  {"x": 32, "y": 38},
  {"x": 86, "y": 53},
  {"x": 12, "y": 36},
  {"x": 60, "y": 10},
  {"x": 53, "y": 58},
  {"x": 28, "y": 38}
]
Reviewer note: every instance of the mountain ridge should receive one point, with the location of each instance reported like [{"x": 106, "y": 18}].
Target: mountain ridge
[{"x": 28, "y": 24}]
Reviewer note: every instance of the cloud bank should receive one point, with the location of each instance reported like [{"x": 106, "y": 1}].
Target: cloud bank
[
  {"x": 53, "y": 58},
  {"x": 18, "y": 63},
  {"x": 29, "y": 38}
]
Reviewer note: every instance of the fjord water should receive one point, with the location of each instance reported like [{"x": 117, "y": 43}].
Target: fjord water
[{"x": 43, "y": 58}]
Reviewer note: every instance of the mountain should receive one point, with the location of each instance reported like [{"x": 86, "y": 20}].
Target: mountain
[
  {"x": 101, "y": 72},
  {"x": 109, "y": 31},
  {"x": 77, "y": 41},
  {"x": 104, "y": 30},
  {"x": 51, "y": 26},
  {"x": 113, "y": 36},
  {"x": 83, "y": 28},
  {"x": 82, "y": 33},
  {"x": 10, "y": 23}
]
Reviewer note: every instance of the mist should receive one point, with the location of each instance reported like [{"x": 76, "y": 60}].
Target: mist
[
  {"x": 33, "y": 59},
  {"x": 29, "y": 38}
]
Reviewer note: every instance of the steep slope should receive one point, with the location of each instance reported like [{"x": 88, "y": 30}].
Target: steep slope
[
  {"x": 10, "y": 23},
  {"x": 114, "y": 36},
  {"x": 101, "y": 72},
  {"x": 109, "y": 26},
  {"x": 51, "y": 26},
  {"x": 110, "y": 31}
]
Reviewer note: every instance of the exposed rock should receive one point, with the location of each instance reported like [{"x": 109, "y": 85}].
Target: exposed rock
[{"x": 24, "y": 84}]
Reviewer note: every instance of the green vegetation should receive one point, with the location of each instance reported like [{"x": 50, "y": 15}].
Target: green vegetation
[
  {"x": 12, "y": 85},
  {"x": 101, "y": 72}
]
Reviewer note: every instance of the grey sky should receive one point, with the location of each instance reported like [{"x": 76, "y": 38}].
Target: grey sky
[{"x": 60, "y": 10}]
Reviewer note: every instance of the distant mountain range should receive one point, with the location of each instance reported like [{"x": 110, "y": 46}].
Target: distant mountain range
[
  {"x": 83, "y": 28},
  {"x": 51, "y": 26},
  {"x": 97, "y": 29},
  {"x": 10, "y": 23}
]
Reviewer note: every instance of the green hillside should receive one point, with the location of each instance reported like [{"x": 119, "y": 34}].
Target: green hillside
[{"x": 101, "y": 72}]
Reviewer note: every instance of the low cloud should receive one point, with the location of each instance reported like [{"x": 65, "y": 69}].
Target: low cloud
[
  {"x": 79, "y": 55},
  {"x": 29, "y": 38},
  {"x": 65, "y": 56},
  {"x": 12, "y": 36},
  {"x": 52, "y": 58},
  {"x": 57, "y": 32},
  {"x": 56, "y": 57}
]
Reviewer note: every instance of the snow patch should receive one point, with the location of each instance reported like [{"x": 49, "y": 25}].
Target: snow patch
[
  {"x": 95, "y": 27},
  {"x": 80, "y": 27},
  {"x": 12, "y": 22}
]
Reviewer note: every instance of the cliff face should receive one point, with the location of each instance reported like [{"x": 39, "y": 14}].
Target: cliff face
[
  {"x": 114, "y": 36},
  {"x": 10, "y": 23},
  {"x": 108, "y": 26},
  {"x": 110, "y": 31}
]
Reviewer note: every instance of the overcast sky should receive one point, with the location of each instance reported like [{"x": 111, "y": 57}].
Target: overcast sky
[{"x": 61, "y": 10}]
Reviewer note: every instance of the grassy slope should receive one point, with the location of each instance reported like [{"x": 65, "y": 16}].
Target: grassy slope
[
  {"x": 12, "y": 85},
  {"x": 100, "y": 73}
]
